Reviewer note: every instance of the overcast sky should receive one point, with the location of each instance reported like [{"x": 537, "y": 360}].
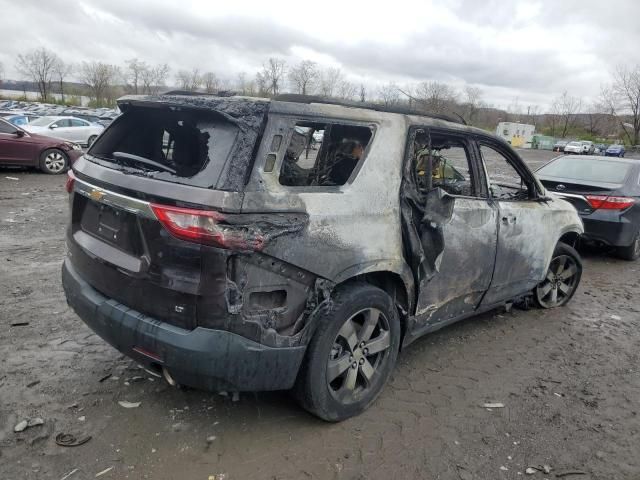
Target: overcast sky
[{"x": 530, "y": 50}]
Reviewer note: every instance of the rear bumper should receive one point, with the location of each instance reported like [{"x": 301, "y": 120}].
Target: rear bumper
[
  {"x": 610, "y": 228},
  {"x": 201, "y": 358}
]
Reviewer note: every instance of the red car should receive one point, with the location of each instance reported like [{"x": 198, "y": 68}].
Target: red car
[{"x": 21, "y": 148}]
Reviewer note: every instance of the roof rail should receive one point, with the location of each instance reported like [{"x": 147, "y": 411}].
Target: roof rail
[{"x": 297, "y": 98}]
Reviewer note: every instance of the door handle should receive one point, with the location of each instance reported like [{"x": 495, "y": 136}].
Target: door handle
[{"x": 509, "y": 218}]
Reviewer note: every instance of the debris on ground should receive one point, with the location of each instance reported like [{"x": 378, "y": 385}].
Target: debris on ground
[
  {"x": 218, "y": 476},
  {"x": 530, "y": 470},
  {"x": 70, "y": 440},
  {"x": 69, "y": 474},
  {"x": 106, "y": 470},
  {"x": 19, "y": 324},
  {"x": 28, "y": 423},
  {"x": 616, "y": 317},
  {"x": 12, "y": 178},
  {"x": 33, "y": 384},
  {"x": 570, "y": 472},
  {"x": 125, "y": 404},
  {"x": 211, "y": 439},
  {"x": 493, "y": 405},
  {"x": 106, "y": 377},
  {"x": 503, "y": 468}
]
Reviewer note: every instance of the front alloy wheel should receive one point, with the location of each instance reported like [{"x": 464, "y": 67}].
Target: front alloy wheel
[
  {"x": 562, "y": 279},
  {"x": 53, "y": 161}
]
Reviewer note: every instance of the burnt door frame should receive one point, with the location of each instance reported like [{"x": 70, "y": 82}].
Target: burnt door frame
[{"x": 452, "y": 279}]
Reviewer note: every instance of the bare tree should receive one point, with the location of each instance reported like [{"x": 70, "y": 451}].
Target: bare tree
[
  {"x": 210, "y": 82},
  {"x": 1, "y": 73},
  {"x": 436, "y": 97},
  {"x": 389, "y": 94},
  {"x": 189, "y": 81},
  {"x": 38, "y": 66},
  {"x": 566, "y": 107},
  {"x": 134, "y": 72},
  {"x": 473, "y": 102},
  {"x": 330, "y": 80},
  {"x": 363, "y": 93},
  {"x": 347, "y": 90},
  {"x": 303, "y": 77},
  {"x": 622, "y": 99},
  {"x": 62, "y": 71},
  {"x": 153, "y": 78},
  {"x": 101, "y": 79},
  {"x": 273, "y": 72},
  {"x": 262, "y": 85}
]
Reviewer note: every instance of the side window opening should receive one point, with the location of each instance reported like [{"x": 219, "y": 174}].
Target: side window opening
[
  {"x": 321, "y": 154},
  {"x": 446, "y": 159},
  {"x": 505, "y": 183}
]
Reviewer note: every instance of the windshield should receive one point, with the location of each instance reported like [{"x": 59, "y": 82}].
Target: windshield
[
  {"x": 42, "y": 121},
  {"x": 587, "y": 170}
]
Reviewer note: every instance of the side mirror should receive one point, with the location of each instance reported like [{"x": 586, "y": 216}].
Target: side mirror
[
  {"x": 19, "y": 133},
  {"x": 53, "y": 127}
]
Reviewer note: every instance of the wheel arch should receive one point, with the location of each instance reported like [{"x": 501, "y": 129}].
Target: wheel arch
[{"x": 397, "y": 282}]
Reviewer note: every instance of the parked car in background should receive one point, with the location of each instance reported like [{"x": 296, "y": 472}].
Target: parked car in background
[
  {"x": 615, "y": 150},
  {"x": 67, "y": 128},
  {"x": 235, "y": 257},
  {"x": 606, "y": 194},
  {"x": 21, "y": 119},
  {"x": 573, "y": 147},
  {"x": 21, "y": 148},
  {"x": 588, "y": 147},
  {"x": 600, "y": 148},
  {"x": 559, "y": 145}
]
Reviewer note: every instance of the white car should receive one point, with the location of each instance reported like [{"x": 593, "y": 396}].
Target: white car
[
  {"x": 68, "y": 128},
  {"x": 574, "y": 147}
]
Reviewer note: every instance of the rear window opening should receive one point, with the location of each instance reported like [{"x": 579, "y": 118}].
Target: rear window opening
[
  {"x": 178, "y": 145},
  {"x": 322, "y": 154}
]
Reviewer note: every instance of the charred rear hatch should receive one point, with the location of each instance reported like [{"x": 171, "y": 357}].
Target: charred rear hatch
[{"x": 166, "y": 156}]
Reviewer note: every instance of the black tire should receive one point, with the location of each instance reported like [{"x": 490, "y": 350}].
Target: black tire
[
  {"x": 54, "y": 161},
  {"x": 562, "y": 279},
  {"x": 91, "y": 139},
  {"x": 630, "y": 252},
  {"x": 353, "y": 305}
]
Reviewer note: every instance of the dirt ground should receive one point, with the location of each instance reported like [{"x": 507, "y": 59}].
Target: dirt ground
[{"x": 568, "y": 378}]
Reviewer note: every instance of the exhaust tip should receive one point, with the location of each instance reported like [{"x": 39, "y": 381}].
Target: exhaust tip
[{"x": 167, "y": 376}]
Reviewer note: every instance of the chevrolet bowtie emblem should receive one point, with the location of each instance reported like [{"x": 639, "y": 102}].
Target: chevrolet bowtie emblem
[{"x": 96, "y": 194}]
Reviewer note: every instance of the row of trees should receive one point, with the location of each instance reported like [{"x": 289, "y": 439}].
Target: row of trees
[{"x": 616, "y": 110}]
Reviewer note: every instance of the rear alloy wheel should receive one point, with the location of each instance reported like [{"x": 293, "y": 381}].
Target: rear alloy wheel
[
  {"x": 562, "y": 279},
  {"x": 92, "y": 139},
  {"x": 631, "y": 252},
  {"x": 53, "y": 161},
  {"x": 351, "y": 354}
]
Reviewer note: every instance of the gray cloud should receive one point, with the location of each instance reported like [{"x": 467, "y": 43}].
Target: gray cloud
[{"x": 530, "y": 50}]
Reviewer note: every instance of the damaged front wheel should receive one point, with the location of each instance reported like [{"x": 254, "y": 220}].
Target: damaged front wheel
[
  {"x": 351, "y": 354},
  {"x": 562, "y": 279}
]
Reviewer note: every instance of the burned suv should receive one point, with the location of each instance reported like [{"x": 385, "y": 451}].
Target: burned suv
[{"x": 234, "y": 243}]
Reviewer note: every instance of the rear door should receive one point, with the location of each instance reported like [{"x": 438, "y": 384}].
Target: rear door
[
  {"x": 80, "y": 130},
  {"x": 524, "y": 238}
]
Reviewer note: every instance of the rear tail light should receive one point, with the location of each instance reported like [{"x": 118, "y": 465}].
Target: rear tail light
[
  {"x": 208, "y": 227},
  {"x": 71, "y": 180},
  {"x": 604, "y": 202}
]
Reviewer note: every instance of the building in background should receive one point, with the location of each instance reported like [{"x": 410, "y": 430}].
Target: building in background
[{"x": 519, "y": 135}]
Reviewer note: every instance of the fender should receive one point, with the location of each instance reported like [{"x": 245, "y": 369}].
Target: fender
[{"x": 395, "y": 266}]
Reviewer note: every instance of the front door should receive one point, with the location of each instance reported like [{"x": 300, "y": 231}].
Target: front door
[
  {"x": 457, "y": 226},
  {"x": 14, "y": 148},
  {"x": 522, "y": 245}
]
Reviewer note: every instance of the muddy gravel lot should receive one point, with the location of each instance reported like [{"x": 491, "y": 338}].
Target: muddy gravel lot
[{"x": 568, "y": 379}]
